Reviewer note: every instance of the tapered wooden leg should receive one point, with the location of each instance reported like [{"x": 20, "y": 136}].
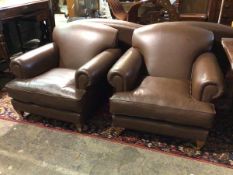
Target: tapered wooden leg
[
  {"x": 78, "y": 127},
  {"x": 20, "y": 114},
  {"x": 200, "y": 144}
]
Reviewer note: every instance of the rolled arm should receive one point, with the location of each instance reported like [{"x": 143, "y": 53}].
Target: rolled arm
[
  {"x": 207, "y": 78},
  {"x": 35, "y": 62},
  {"x": 124, "y": 74},
  {"x": 96, "y": 68}
]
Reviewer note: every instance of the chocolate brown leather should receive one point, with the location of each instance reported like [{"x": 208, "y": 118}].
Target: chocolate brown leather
[
  {"x": 125, "y": 72},
  {"x": 125, "y": 29},
  {"x": 73, "y": 46},
  {"x": 35, "y": 62},
  {"x": 160, "y": 127},
  {"x": 65, "y": 79},
  {"x": 55, "y": 89},
  {"x": 219, "y": 30},
  {"x": 90, "y": 73},
  {"x": 207, "y": 79},
  {"x": 169, "y": 50},
  {"x": 58, "y": 114},
  {"x": 164, "y": 98}
]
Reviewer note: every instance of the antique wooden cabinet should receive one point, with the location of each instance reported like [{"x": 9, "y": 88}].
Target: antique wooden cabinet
[
  {"x": 208, "y": 8},
  {"x": 35, "y": 10},
  {"x": 227, "y": 14}
]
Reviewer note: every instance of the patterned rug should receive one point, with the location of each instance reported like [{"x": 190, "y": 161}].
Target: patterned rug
[{"x": 218, "y": 148}]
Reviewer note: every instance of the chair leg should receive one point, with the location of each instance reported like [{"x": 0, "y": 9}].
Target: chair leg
[
  {"x": 20, "y": 114},
  {"x": 200, "y": 144},
  {"x": 78, "y": 127}
]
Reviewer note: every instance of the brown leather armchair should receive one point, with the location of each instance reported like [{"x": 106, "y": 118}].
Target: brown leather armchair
[
  {"x": 166, "y": 82},
  {"x": 65, "y": 79}
]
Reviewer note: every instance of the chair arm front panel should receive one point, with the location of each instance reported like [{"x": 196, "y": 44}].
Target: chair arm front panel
[
  {"x": 35, "y": 62},
  {"x": 98, "y": 67},
  {"x": 207, "y": 78},
  {"x": 124, "y": 74}
]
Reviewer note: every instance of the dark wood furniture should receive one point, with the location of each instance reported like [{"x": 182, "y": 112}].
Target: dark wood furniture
[
  {"x": 205, "y": 10},
  {"x": 143, "y": 11},
  {"x": 36, "y": 10},
  {"x": 227, "y": 13},
  {"x": 228, "y": 47},
  {"x": 120, "y": 13},
  {"x": 227, "y": 44},
  {"x": 198, "y": 10}
]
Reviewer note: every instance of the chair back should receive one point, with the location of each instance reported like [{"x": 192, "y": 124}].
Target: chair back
[
  {"x": 79, "y": 43},
  {"x": 169, "y": 50}
]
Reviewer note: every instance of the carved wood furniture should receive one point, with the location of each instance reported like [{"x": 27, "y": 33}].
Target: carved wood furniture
[
  {"x": 194, "y": 10},
  {"x": 36, "y": 10},
  {"x": 205, "y": 10},
  {"x": 119, "y": 12},
  {"x": 132, "y": 14},
  {"x": 166, "y": 4}
]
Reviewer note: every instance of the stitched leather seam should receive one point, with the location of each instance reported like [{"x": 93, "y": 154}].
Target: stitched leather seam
[{"x": 138, "y": 103}]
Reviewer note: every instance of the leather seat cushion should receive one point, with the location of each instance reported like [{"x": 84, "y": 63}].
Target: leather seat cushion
[
  {"x": 53, "y": 89},
  {"x": 163, "y": 99}
]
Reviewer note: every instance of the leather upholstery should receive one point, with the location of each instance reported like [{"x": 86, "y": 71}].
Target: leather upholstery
[
  {"x": 125, "y": 29},
  {"x": 35, "y": 62},
  {"x": 178, "y": 77},
  {"x": 125, "y": 76},
  {"x": 96, "y": 69},
  {"x": 207, "y": 79},
  {"x": 73, "y": 41},
  {"x": 159, "y": 127},
  {"x": 58, "y": 114},
  {"x": 163, "y": 99},
  {"x": 54, "y": 89},
  {"x": 166, "y": 57},
  {"x": 65, "y": 79},
  {"x": 219, "y": 30},
  {"x": 125, "y": 72}
]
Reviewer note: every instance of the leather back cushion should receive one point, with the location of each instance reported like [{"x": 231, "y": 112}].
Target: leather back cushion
[
  {"x": 125, "y": 29},
  {"x": 169, "y": 50},
  {"x": 78, "y": 43}
]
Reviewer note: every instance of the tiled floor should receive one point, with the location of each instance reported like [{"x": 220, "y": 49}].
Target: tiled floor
[{"x": 31, "y": 150}]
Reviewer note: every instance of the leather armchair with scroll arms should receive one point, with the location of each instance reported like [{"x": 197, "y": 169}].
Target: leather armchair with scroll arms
[
  {"x": 65, "y": 79},
  {"x": 167, "y": 87},
  {"x": 170, "y": 84}
]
